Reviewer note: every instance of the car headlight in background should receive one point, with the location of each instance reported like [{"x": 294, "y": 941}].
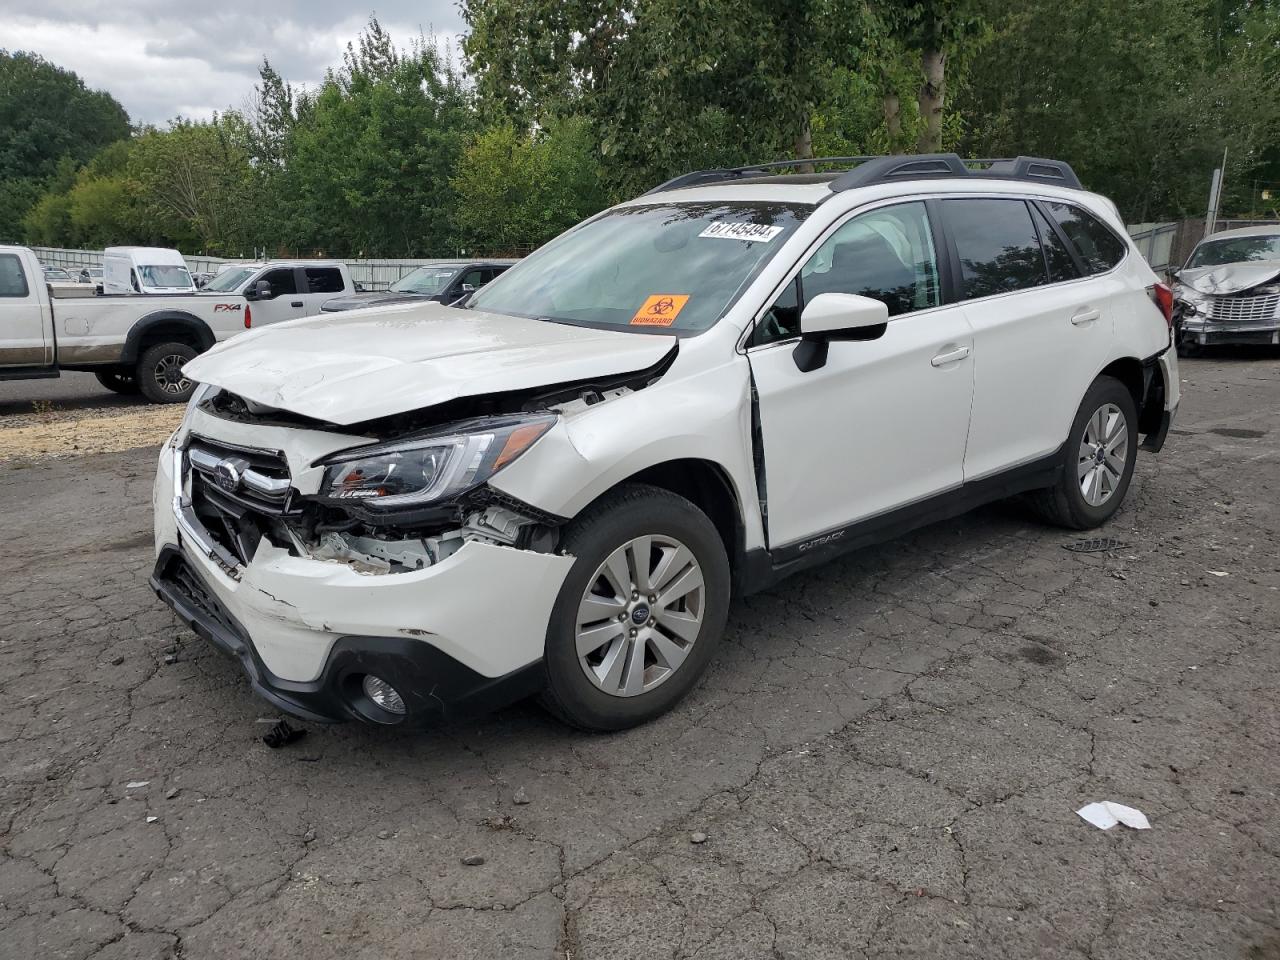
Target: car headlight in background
[{"x": 429, "y": 468}]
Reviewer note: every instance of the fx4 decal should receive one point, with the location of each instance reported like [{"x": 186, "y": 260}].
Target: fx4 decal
[{"x": 226, "y": 307}]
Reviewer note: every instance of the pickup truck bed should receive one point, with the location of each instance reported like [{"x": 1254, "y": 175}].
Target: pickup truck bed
[{"x": 136, "y": 342}]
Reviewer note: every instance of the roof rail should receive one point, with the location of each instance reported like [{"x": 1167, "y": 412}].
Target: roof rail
[
  {"x": 699, "y": 177},
  {"x": 867, "y": 171}
]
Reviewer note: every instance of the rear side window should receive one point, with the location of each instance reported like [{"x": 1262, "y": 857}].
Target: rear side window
[
  {"x": 998, "y": 246},
  {"x": 283, "y": 282},
  {"x": 324, "y": 280},
  {"x": 13, "y": 282},
  {"x": 1099, "y": 248},
  {"x": 1056, "y": 255}
]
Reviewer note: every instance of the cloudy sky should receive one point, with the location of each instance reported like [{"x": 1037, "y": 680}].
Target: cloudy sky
[{"x": 162, "y": 58}]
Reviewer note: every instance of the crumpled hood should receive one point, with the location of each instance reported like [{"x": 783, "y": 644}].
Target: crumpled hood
[
  {"x": 1230, "y": 277},
  {"x": 348, "y": 368},
  {"x": 357, "y": 301}
]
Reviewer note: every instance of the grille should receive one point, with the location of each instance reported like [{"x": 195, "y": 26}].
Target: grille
[
  {"x": 261, "y": 476},
  {"x": 1254, "y": 309},
  {"x": 236, "y": 492}
]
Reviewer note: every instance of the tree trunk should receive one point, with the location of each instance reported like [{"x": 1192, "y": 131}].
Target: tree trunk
[
  {"x": 932, "y": 93},
  {"x": 804, "y": 144},
  {"x": 893, "y": 121}
]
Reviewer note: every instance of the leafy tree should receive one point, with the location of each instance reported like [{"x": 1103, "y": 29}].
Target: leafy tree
[
  {"x": 515, "y": 192},
  {"x": 1134, "y": 93},
  {"x": 933, "y": 29},
  {"x": 372, "y": 151},
  {"x": 193, "y": 182},
  {"x": 46, "y": 114}
]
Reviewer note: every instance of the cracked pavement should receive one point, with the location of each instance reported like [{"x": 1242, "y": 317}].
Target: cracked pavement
[{"x": 885, "y": 757}]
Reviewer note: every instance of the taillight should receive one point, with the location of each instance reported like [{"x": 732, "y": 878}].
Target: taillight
[
  {"x": 1162, "y": 297},
  {"x": 248, "y": 316}
]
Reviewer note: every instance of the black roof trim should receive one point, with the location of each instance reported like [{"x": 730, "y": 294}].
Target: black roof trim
[{"x": 866, "y": 171}]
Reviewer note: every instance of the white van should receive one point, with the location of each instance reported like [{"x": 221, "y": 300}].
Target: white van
[{"x": 147, "y": 270}]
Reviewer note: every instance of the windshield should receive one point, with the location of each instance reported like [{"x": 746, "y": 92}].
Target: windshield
[
  {"x": 1213, "y": 253},
  {"x": 662, "y": 268},
  {"x": 167, "y": 277},
  {"x": 228, "y": 280},
  {"x": 425, "y": 280}
]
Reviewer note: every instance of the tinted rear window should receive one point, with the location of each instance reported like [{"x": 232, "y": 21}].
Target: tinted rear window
[
  {"x": 324, "y": 279},
  {"x": 998, "y": 246},
  {"x": 13, "y": 282},
  {"x": 1099, "y": 248}
]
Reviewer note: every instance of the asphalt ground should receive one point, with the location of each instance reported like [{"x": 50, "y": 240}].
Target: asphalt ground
[{"x": 884, "y": 759}]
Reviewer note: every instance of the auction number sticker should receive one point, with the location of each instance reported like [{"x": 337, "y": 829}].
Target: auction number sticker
[
  {"x": 660, "y": 310},
  {"x": 755, "y": 232}
]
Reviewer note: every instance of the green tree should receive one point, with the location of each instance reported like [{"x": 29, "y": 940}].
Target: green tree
[
  {"x": 47, "y": 115},
  {"x": 515, "y": 192},
  {"x": 1140, "y": 96},
  {"x": 371, "y": 153},
  {"x": 194, "y": 182}
]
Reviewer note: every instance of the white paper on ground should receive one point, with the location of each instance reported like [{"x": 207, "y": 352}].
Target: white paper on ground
[{"x": 1105, "y": 814}]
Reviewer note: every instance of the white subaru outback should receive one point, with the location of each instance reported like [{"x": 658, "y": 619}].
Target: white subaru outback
[{"x": 399, "y": 514}]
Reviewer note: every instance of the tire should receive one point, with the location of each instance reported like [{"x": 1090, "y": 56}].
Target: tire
[
  {"x": 1066, "y": 503},
  {"x": 118, "y": 381},
  {"x": 670, "y": 664},
  {"x": 159, "y": 373}
]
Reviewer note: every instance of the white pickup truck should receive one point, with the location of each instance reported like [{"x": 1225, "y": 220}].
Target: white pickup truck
[{"x": 140, "y": 343}]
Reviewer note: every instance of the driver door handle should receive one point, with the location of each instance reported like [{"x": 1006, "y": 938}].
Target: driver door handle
[
  {"x": 1086, "y": 316},
  {"x": 296, "y": 303},
  {"x": 959, "y": 353}
]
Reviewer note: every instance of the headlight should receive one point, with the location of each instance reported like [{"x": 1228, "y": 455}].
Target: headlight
[
  {"x": 201, "y": 391},
  {"x": 431, "y": 467}
]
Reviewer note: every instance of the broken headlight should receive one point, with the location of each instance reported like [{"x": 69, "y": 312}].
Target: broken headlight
[{"x": 431, "y": 467}]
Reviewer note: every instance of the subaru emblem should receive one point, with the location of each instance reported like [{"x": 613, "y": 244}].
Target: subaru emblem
[{"x": 227, "y": 475}]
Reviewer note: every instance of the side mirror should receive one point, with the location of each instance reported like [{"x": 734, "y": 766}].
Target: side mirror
[
  {"x": 837, "y": 316},
  {"x": 261, "y": 291},
  {"x": 468, "y": 288}
]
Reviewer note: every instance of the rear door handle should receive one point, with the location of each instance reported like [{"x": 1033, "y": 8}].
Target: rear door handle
[
  {"x": 296, "y": 303},
  {"x": 959, "y": 353},
  {"x": 1086, "y": 316}
]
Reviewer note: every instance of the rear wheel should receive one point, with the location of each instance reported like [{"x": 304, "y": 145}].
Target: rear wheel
[
  {"x": 118, "y": 381},
  {"x": 1098, "y": 461},
  {"x": 640, "y": 613},
  {"x": 160, "y": 376}
]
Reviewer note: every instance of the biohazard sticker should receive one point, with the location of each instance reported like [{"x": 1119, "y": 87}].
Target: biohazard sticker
[
  {"x": 754, "y": 232},
  {"x": 660, "y": 310}
]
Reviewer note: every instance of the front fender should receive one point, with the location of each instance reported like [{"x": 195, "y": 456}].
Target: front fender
[{"x": 702, "y": 415}]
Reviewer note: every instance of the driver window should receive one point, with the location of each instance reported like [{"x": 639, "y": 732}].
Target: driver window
[{"x": 886, "y": 254}]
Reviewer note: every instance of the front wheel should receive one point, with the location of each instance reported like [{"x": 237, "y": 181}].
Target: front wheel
[
  {"x": 640, "y": 613},
  {"x": 160, "y": 376},
  {"x": 1098, "y": 461}
]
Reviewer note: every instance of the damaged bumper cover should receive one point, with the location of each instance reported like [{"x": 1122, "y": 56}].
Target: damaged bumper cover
[{"x": 463, "y": 633}]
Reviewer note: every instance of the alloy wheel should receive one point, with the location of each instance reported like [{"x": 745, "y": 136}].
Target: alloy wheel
[
  {"x": 168, "y": 374},
  {"x": 640, "y": 615},
  {"x": 1104, "y": 451}
]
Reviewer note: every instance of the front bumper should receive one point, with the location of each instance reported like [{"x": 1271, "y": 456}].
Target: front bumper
[
  {"x": 462, "y": 634},
  {"x": 1205, "y": 332},
  {"x": 433, "y": 685}
]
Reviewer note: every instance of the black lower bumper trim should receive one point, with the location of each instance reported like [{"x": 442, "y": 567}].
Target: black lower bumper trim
[{"x": 434, "y": 686}]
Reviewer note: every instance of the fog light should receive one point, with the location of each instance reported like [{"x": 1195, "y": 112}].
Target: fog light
[{"x": 383, "y": 694}]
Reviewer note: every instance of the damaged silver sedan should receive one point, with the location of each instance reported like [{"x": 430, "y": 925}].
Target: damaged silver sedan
[{"x": 1229, "y": 291}]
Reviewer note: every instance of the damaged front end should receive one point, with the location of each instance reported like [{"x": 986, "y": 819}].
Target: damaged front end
[
  {"x": 378, "y": 508},
  {"x": 1230, "y": 303},
  {"x": 332, "y": 561}
]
